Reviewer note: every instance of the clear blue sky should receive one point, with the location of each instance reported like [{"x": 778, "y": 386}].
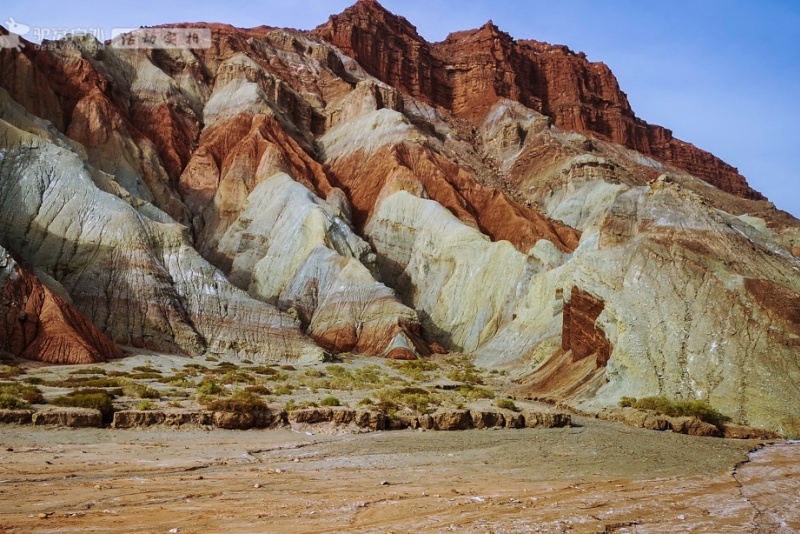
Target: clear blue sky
[{"x": 722, "y": 74}]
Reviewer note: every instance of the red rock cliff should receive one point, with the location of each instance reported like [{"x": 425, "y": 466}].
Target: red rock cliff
[{"x": 471, "y": 70}]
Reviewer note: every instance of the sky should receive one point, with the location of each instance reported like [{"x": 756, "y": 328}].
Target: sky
[{"x": 721, "y": 74}]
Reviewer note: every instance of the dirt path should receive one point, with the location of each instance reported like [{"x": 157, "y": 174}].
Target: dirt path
[{"x": 599, "y": 477}]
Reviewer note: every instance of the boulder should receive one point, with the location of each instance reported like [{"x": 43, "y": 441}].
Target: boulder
[
  {"x": 482, "y": 419},
  {"x": 452, "y": 420}
]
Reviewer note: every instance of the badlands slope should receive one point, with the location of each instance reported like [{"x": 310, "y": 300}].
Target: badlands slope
[{"x": 285, "y": 195}]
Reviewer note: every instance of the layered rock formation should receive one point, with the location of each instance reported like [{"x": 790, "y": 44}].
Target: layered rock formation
[
  {"x": 283, "y": 194},
  {"x": 39, "y": 324},
  {"x": 470, "y": 71}
]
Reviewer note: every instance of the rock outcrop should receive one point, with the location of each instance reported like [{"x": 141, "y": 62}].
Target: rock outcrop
[
  {"x": 470, "y": 71},
  {"x": 39, "y": 324}
]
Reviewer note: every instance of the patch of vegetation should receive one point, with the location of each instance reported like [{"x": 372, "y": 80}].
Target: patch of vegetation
[
  {"x": 118, "y": 374},
  {"x": 177, "y": 380},
  {"x": 314, "y": 373},
  {"x": 175, "y": 404},
  {"x": 677, "y": 408},
  {"x": 330, "y": 401},
  {"x": 257, "y": 390},
  {"x": 263, "y": 370},
  {"x": 89, "y": 371},
  {"x": 506, "y": 404},
  {"x": 468, "y": 374},
  {"x": 27, "y": 393},
  {"x": 211, "y": 359},
  {"x": 390, "y": 400},
  {"x": 9, "y": 401},
  {"x": 290, "y": 406},
  {"x": 140, "y": 391},
  {"x": 473, "y": 393},
  {"x": 247, "y": 362},
  {"x": 366, "y": 401},
  {"x": 344, "y": 379},
  {"x": 81, "y": 399},
  {"x": 416, "y": 370},
  {"x": 145, "y": 404},
  {"x": 235, "y": 377},
  {"x": 209, "y": 387},
  {"x": 11, "y": 371},
  {"x": 284, "y": 389},
  {"x": 88, "y": 382},
  {"x": 34, "y": 380},
  {"x": 239, "y": 402}
]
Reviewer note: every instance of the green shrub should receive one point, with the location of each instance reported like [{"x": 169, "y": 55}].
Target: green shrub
[
  {"x": 145, "y": 404},
  {"x": 88, "y": 382},
  {"x": 9, "y": 401},
  {"x": 290, "y": 406},
  {"x": 257, "y": 390},
  {"x": 140, "y": 391},
  {"x": 288, "y": 367},
  {"x": 417, "y": 370},
  {"x": 34, "y": 380},
  {"x": 677, "y": 408},
  {"x": 366, "y": 401},
  {"x": 79, "y": 399},
  {"x": 89, "y": 371},
  {"x": 263, "y": 370},
  {"x": 209, "y": 387},
  {"x": 284, "y": 389},
  {"x": 506, "y": 404},
  {"x": 239, "y": 402},
  {"x": 472, "y": 393},
  {"x": 468, "y": 374},
  {"x": 27, "y": 393},
  {"x": 10, "y": 371},
  {"x": 330, "y": 401}
]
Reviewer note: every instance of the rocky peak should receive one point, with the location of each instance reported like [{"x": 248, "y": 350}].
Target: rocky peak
[{"x": 471, "y": 70}]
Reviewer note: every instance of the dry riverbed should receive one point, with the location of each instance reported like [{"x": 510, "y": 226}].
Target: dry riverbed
[{"x": 596, "y": 477}]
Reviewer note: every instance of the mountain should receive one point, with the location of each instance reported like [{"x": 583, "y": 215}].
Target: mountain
[{"x": 283, "y": 195}]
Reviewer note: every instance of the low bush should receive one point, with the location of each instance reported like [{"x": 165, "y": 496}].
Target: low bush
[
  {"x": 209, "y": 387},
  {"x": 25, "y": 392},
  {"x": 417, "y": 370},
  {"x": 87, "y": 382},
  {"x": 467, "y": 374},
  {"x": 330, "y": 401},
  {"x": 677, "y": 408},
  {"x": 140, "y": 391},
  {"x": 473, "y": 393},
  {"x": 80, "y": 399},
  {"x": 10, "y": 371},
  {"x": 239, "y": 402},
  {"x": 263, "y": 370},
  {"x": 145, "y": 404},
  {"x": 506, "y": 404},
  {"x": 89, "y": 371},
  {"x": 9, "y": 401},
  {"x": 257, "y": 390}
]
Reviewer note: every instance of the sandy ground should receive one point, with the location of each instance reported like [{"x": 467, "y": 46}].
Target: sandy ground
[{"x": 598, "y": 477}]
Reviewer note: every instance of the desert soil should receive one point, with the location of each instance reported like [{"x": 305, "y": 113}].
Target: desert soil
[{"x": 595, "y": 477}]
